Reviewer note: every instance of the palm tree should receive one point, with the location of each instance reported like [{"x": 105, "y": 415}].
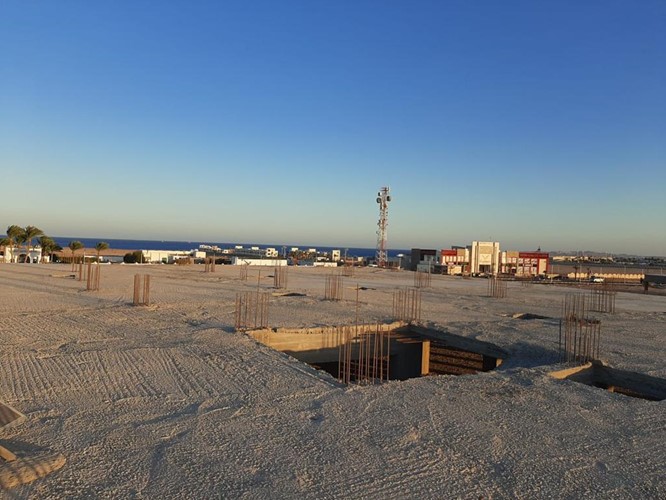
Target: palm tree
[
  {"x": 13, "y": 234},
  {"x": 4, "y": 243},
  {"x": 29, "y": 233},
  {"x": 102, "y": 245},
  {"x": 74, "y": 246},
  {"x": 48, "y": 246}
]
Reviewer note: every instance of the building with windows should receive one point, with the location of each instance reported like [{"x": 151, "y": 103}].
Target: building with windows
[
  {"x": 524, "y": 263},
  {"x": 20, "y": 254},
  {"x": 484, "y": 257},
  {"x": 423, "y": 258}
]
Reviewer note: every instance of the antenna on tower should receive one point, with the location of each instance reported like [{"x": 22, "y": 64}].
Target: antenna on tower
[{"x": 383, "y": 198}]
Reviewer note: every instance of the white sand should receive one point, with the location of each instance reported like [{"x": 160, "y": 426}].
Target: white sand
[{"x": 167, "y": 401}]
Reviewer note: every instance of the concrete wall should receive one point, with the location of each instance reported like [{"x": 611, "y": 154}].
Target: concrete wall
[{"x": 607, "y": 276}]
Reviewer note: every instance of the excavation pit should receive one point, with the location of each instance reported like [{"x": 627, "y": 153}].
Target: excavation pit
[
  {"x": 375, "y": 353},
  {"x": 635, "y": 385}
]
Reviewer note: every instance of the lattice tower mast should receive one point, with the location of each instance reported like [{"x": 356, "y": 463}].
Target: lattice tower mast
[{"x": 383, "y": 199}]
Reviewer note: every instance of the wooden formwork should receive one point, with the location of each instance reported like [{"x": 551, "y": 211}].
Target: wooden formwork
[
  {"x": 17, "y": 470},
  {"x": 141, "y": 290},
  {"x": 93, "y": 277},
  {"x": 280, "y": 275},
  {"x": 209, "y": 265}
]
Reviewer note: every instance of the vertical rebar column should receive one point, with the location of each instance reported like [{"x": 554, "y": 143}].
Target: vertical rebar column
[
  {"x": 581, "y": 338},
  {"x": 407, "y": 305},
  {"x": 137, "y": 284},
  {"x": 251, "y": 310},
  {"x": 496, "y": 287},
  {"x": 334, "y": 288},
  {"x": 146, "y": 289},
  {"x": 280, "y": 277},
  {"x": 602, "y": 298},
  {"x": 89, "y": 277},
  {"x": 422, "y": 279}
]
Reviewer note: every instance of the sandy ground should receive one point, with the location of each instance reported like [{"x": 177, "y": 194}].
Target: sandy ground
[{"x": 167, "y": 401}]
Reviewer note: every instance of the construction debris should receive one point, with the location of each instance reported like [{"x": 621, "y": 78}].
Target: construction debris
[{"x": 16, "y": 470}]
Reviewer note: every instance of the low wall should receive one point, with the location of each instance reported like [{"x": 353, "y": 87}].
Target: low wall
[{"x": 607, "y": 276}]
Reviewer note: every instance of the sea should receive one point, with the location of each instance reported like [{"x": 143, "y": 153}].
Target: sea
[{"x": 63, "y": 241}]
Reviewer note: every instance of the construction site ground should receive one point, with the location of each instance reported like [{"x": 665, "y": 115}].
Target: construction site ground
[{"x": 168, "y": 401}]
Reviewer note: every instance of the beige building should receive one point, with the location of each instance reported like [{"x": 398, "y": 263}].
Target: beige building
[{"x": 484, "y": 257}]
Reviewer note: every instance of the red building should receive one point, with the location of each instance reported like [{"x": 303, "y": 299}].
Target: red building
[{"x": 525, "y": 263}]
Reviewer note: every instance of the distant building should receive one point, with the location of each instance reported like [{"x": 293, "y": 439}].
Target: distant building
[
  {"x": 18, "y": 254},
  {"x": 525, "y": 263},
  {"x": 170, "y": 256},
  {"x": 240, "y": 261},
  {"x": 484, "y": 257},
  {"x": 421, "y": 258},
  {"x": 456, "y": 260}
]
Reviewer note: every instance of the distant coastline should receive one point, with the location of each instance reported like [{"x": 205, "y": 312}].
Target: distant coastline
[{"x": 123, "y": 244}]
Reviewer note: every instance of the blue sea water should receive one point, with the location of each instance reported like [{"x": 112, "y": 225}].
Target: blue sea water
[{"x": 63, "y": 241}]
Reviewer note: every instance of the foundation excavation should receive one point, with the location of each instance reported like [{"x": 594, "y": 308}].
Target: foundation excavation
[
  {"x": 632, "y": 384},
  {"x": 380, "y": 352}
]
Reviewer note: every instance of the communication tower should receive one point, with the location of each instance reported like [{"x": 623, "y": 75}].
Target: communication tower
[{"x": 383, "y": 199}]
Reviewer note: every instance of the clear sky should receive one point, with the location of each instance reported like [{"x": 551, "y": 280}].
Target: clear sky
[{"x": 534, "y": 123}]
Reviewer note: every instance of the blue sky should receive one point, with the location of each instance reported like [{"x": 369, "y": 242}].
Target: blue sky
[{"x": 532, "y": 123}]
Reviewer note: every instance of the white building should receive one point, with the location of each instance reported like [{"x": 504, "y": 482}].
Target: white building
[
  {"x": 18, "y": 254},
  {"x": 241, "y": 261},
  {"x": 170, "y": 256},
  {"x": 484, "y": 257}
]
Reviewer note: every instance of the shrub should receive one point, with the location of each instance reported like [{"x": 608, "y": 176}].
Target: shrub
[{"x": 133, "y": 257}]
